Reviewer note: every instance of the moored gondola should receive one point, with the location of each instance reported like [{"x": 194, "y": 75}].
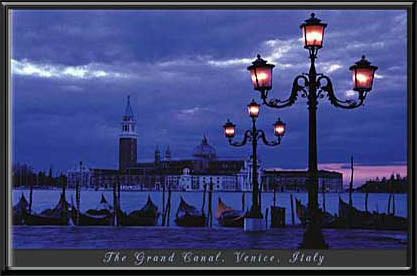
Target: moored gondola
[
  {"x": 327, "y": 220},
  {"x": 103, "y": 208},
  {"x": 94, "y": 217},
  {"x": 147, "y": 216},
  {"x": 20, "y": 210},
  {"x": 189, "y": 216},
  {"x": 59, "y": 215},
  {"x": 354, "y": 218},
  {"x": 227, "y": 216}
]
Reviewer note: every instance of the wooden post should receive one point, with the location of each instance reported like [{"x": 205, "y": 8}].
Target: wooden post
[
  {"x": 64, "y": 185},
  {"x": 243, "y": 201},
  {"x": 210, "y": 212},
  {"x": 168, "y": 205},
  {"x": 30, "y": 197},
  {"x": 389, "y": 204},
  {"x": 323, "y": 192},
  {"x": 260, "y": 195},
  {"x": 292, "y": 210},
  {"x": 118, "y": 202},
  {"x": 351, "y": 182},
  {"x": 393, "y": 204},
  {"x": 115, "y": 202},
  {"x": 366, "y": 201},
  {"x": 78, "y": 194},
  {"x": 266, "y": 217},
  {"x": 163, "y": 198},
  {"x": 163, "y": 205},
  {"x": 204, "y": 199},
  {"x": 275, "y": 195}
]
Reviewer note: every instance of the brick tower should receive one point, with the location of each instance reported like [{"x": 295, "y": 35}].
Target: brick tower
[{"x": 128, "y": 140}]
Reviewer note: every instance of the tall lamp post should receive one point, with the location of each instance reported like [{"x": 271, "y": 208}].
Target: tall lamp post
[
  {"x": 313, "y": 86},
  {"x": 254, "y": 135}
]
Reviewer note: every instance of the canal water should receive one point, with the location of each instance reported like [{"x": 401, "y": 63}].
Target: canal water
[{"x": 172, "y": 237}]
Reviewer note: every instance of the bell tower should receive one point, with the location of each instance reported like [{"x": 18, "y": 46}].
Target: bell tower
[{"x": 128, "y": 140}]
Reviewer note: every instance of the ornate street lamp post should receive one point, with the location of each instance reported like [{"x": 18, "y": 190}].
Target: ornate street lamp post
[
  {"x": 254, "y": 135},
  {"x": 313, "y": 86}
]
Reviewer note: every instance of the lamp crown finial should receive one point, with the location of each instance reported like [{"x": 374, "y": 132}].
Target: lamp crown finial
[
  {"x": 258, "y": 56},
  {"x": 313, "y": 14}
]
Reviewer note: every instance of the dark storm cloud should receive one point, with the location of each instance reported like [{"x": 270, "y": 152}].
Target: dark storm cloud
[{"x": 186, "y": 72}]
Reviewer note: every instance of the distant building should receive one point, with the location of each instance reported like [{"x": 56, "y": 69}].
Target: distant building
[
  {"x": 80, "y": 173},
  {"x": 297, "y": 181},
  {"x": 188, "y": 174}
]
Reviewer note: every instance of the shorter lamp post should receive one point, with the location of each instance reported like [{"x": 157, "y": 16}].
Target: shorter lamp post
[{"x": 254, "y": 135}]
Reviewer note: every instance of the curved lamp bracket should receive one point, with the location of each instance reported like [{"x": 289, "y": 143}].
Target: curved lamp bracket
[
  {"x": 261, "y": 135},
  {"x": 328, "y": 88},
  {"x": 248, "y": 136},
  {"x": 296, "y": 87}
]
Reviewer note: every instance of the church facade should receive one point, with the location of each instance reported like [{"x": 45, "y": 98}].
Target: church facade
[{"x": 190, "y": 174}]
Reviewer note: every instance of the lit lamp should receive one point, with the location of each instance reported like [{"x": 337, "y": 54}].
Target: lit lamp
[
  {"x": 253, "y": 109},
  {"x": 279, "y": 128},
  {"x": 313, "y": 32},
  {"x": 229, "y": 129},
  {"x": 363, "y": 75},
  {"x": 261, "y": 74}
]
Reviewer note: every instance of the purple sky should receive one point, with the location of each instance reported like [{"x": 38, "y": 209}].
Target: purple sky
[{"x": 186, "y": 74}]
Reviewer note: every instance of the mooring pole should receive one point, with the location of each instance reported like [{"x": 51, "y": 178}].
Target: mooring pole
[
  {"x": 210, "y": 212},
  {"x": 115, "y": 202},
  {"x": 204, "y": 198},
  {"x": 30, "y": 197},
  {"x": 323, "y": 191},
  {"x": 366, "y": 201},
  {"x": 243, "y": 201},
  {"x": 275, "y": 195},
  {"x": 168, "y": 205},
  {"x": 292, "y": 210}
]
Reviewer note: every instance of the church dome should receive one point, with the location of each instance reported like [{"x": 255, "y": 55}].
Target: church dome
[{"x": 204, "y": 150}]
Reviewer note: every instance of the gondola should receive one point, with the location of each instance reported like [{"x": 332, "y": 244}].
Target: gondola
[
  {"x": 100, "y": 217},
  {"x": 189, "y": 216},
  {"x": 59, "y": 215},
  {"x": 327, "y": 220},
  {"x": 147, "y": 216},
  {"x": 227, "y": 216},
  {"x": 103, "y": 208},
  {"x": 355, "y": 218},
  {"x": 20, "y": 210}
]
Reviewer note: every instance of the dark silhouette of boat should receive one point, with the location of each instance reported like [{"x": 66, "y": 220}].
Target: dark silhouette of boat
[
  {"x": 102, "y": 216},
  {"x": 20, "y": 210},
  {"x": 354, "y": 218},
  {"x": 189, "y": 216},
  {"x": 327, "y": 219},
  {"x": 147, "y": 216},
  {"x": 350, "y": 217},
  {"x": 59, "y": 215},
  {"x": 227, "y": 216}
]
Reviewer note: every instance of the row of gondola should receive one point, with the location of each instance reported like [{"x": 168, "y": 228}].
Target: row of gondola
[
  {"x": 350, "y": 217},
  {"x": 105, "y": 215},
  {"x": 189, "y": 216}
]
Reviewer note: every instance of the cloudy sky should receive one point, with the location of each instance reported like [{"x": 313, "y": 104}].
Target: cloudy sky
[{"x": 186, "y": 74}]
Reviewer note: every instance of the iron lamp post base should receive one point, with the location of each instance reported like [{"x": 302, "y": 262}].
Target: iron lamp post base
[{"x": 313, "y": 238}]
